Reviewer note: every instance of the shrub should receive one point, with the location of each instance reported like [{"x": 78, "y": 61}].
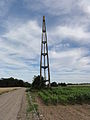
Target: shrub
[
  {"x": 62, "y": 84},
  {"x": 54, "y": 84},
  {"x": 37, "y": 83}
]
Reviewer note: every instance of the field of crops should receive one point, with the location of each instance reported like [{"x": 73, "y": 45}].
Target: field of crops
[
  {"x": 66, "y": 95},
  {"x": 4, "y": 90}
]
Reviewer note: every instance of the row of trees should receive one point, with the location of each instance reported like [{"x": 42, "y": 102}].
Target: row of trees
[
  {"x": 39, "y": 84},
  {"x": 11, "y": 82},
  {"x": 55, "y": 84}
]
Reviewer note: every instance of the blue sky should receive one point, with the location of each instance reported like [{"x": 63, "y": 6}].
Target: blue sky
[{"x": 68, "y": 30}]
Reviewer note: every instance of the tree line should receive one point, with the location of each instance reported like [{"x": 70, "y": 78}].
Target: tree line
[
  {"x": 40, "y": 84},
  {"x": 12, "y": 82}
]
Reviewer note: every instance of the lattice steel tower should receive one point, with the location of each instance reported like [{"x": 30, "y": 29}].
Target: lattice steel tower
[{"x": 44, "y": 62}]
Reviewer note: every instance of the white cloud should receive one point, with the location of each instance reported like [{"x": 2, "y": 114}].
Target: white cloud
[
  {"x": 25, "y": 36},
  {"x": 84, "y": 63},
  {"x": 24, "y": 39},
  {"x": 68, "y": 59},
  {"x": 5, "y": 58},
  {"x": 58, "y": 7},
  {"x": 85, "y": 6},
  {"x": 75, "y": 33},
  {"x": 20, "y": 47},
  {"x": 71, "y": 65},
  {"x": 55, "y": 7},
  {"x": 69, "y": 53}
]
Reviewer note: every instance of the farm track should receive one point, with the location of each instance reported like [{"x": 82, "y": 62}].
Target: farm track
[
  {"x": 11, "y": 105},
  {"x": 62, "y": 112}
]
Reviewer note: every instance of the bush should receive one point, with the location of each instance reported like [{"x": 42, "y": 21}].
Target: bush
[
  {"x": 37, "y": 83},
  {"x": 54, "y": 84},
  {"x": 62, "y": 84}
]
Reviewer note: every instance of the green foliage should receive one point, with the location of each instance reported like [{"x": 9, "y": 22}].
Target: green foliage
[
  {"x": 12, "y": 82},
  {"x": 28, "y": 89},
  {"x": 35, "y": 106},
  {"x": 54, "y": 84},
  {"x": 26, "y": 84},
  {"x": 37, "y": 83},
  {"x": 62, "y": 84},
  {"x": 66, "y": 95},
  {"x": 31, "y": 106}
]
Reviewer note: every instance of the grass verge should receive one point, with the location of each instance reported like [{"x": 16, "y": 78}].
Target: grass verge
[{"x": 32, "y": 107}]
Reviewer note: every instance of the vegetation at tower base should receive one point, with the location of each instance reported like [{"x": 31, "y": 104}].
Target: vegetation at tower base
[
  {"x": 66, "y": 95},
  {"x": 11, "y": 82},
  {"x": 37, "y": 83}
]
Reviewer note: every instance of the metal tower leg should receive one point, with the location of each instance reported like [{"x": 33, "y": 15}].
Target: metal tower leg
[{"x": 44, "y": 61}]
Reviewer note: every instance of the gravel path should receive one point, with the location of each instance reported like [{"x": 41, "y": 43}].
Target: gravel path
[{"x": 10, "y": 104}]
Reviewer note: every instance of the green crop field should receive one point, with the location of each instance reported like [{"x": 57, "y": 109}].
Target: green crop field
[{"x": 66, "y": 95}]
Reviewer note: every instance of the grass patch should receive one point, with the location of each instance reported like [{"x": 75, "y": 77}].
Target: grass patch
[{"x": 32, "y": 105}]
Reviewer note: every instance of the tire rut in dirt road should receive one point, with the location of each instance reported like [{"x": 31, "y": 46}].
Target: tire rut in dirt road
[{"x": 10, "y": 104}]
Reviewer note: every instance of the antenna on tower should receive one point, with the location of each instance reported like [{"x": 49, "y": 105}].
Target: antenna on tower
[{"x": 44, "y": 61}]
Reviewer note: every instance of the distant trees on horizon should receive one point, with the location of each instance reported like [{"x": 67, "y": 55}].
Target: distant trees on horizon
[
  {"x": 36, "y": 83},
  {"x": 12, "y": 82}
]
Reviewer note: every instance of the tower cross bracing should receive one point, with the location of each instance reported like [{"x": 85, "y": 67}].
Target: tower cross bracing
[{"x": 44, "y": 61}]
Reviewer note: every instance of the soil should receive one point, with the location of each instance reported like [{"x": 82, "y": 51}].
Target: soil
[
  {"x": 22, "y": 111},
  {"x": 12, "y": 105},
  {"x": 63, "y": 112}
]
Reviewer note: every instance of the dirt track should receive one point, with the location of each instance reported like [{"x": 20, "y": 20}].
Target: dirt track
[
  {"x": 13, "y": 107},
  {"x": 61, "y": 112},
  {"x": 10, "y": 104}
]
